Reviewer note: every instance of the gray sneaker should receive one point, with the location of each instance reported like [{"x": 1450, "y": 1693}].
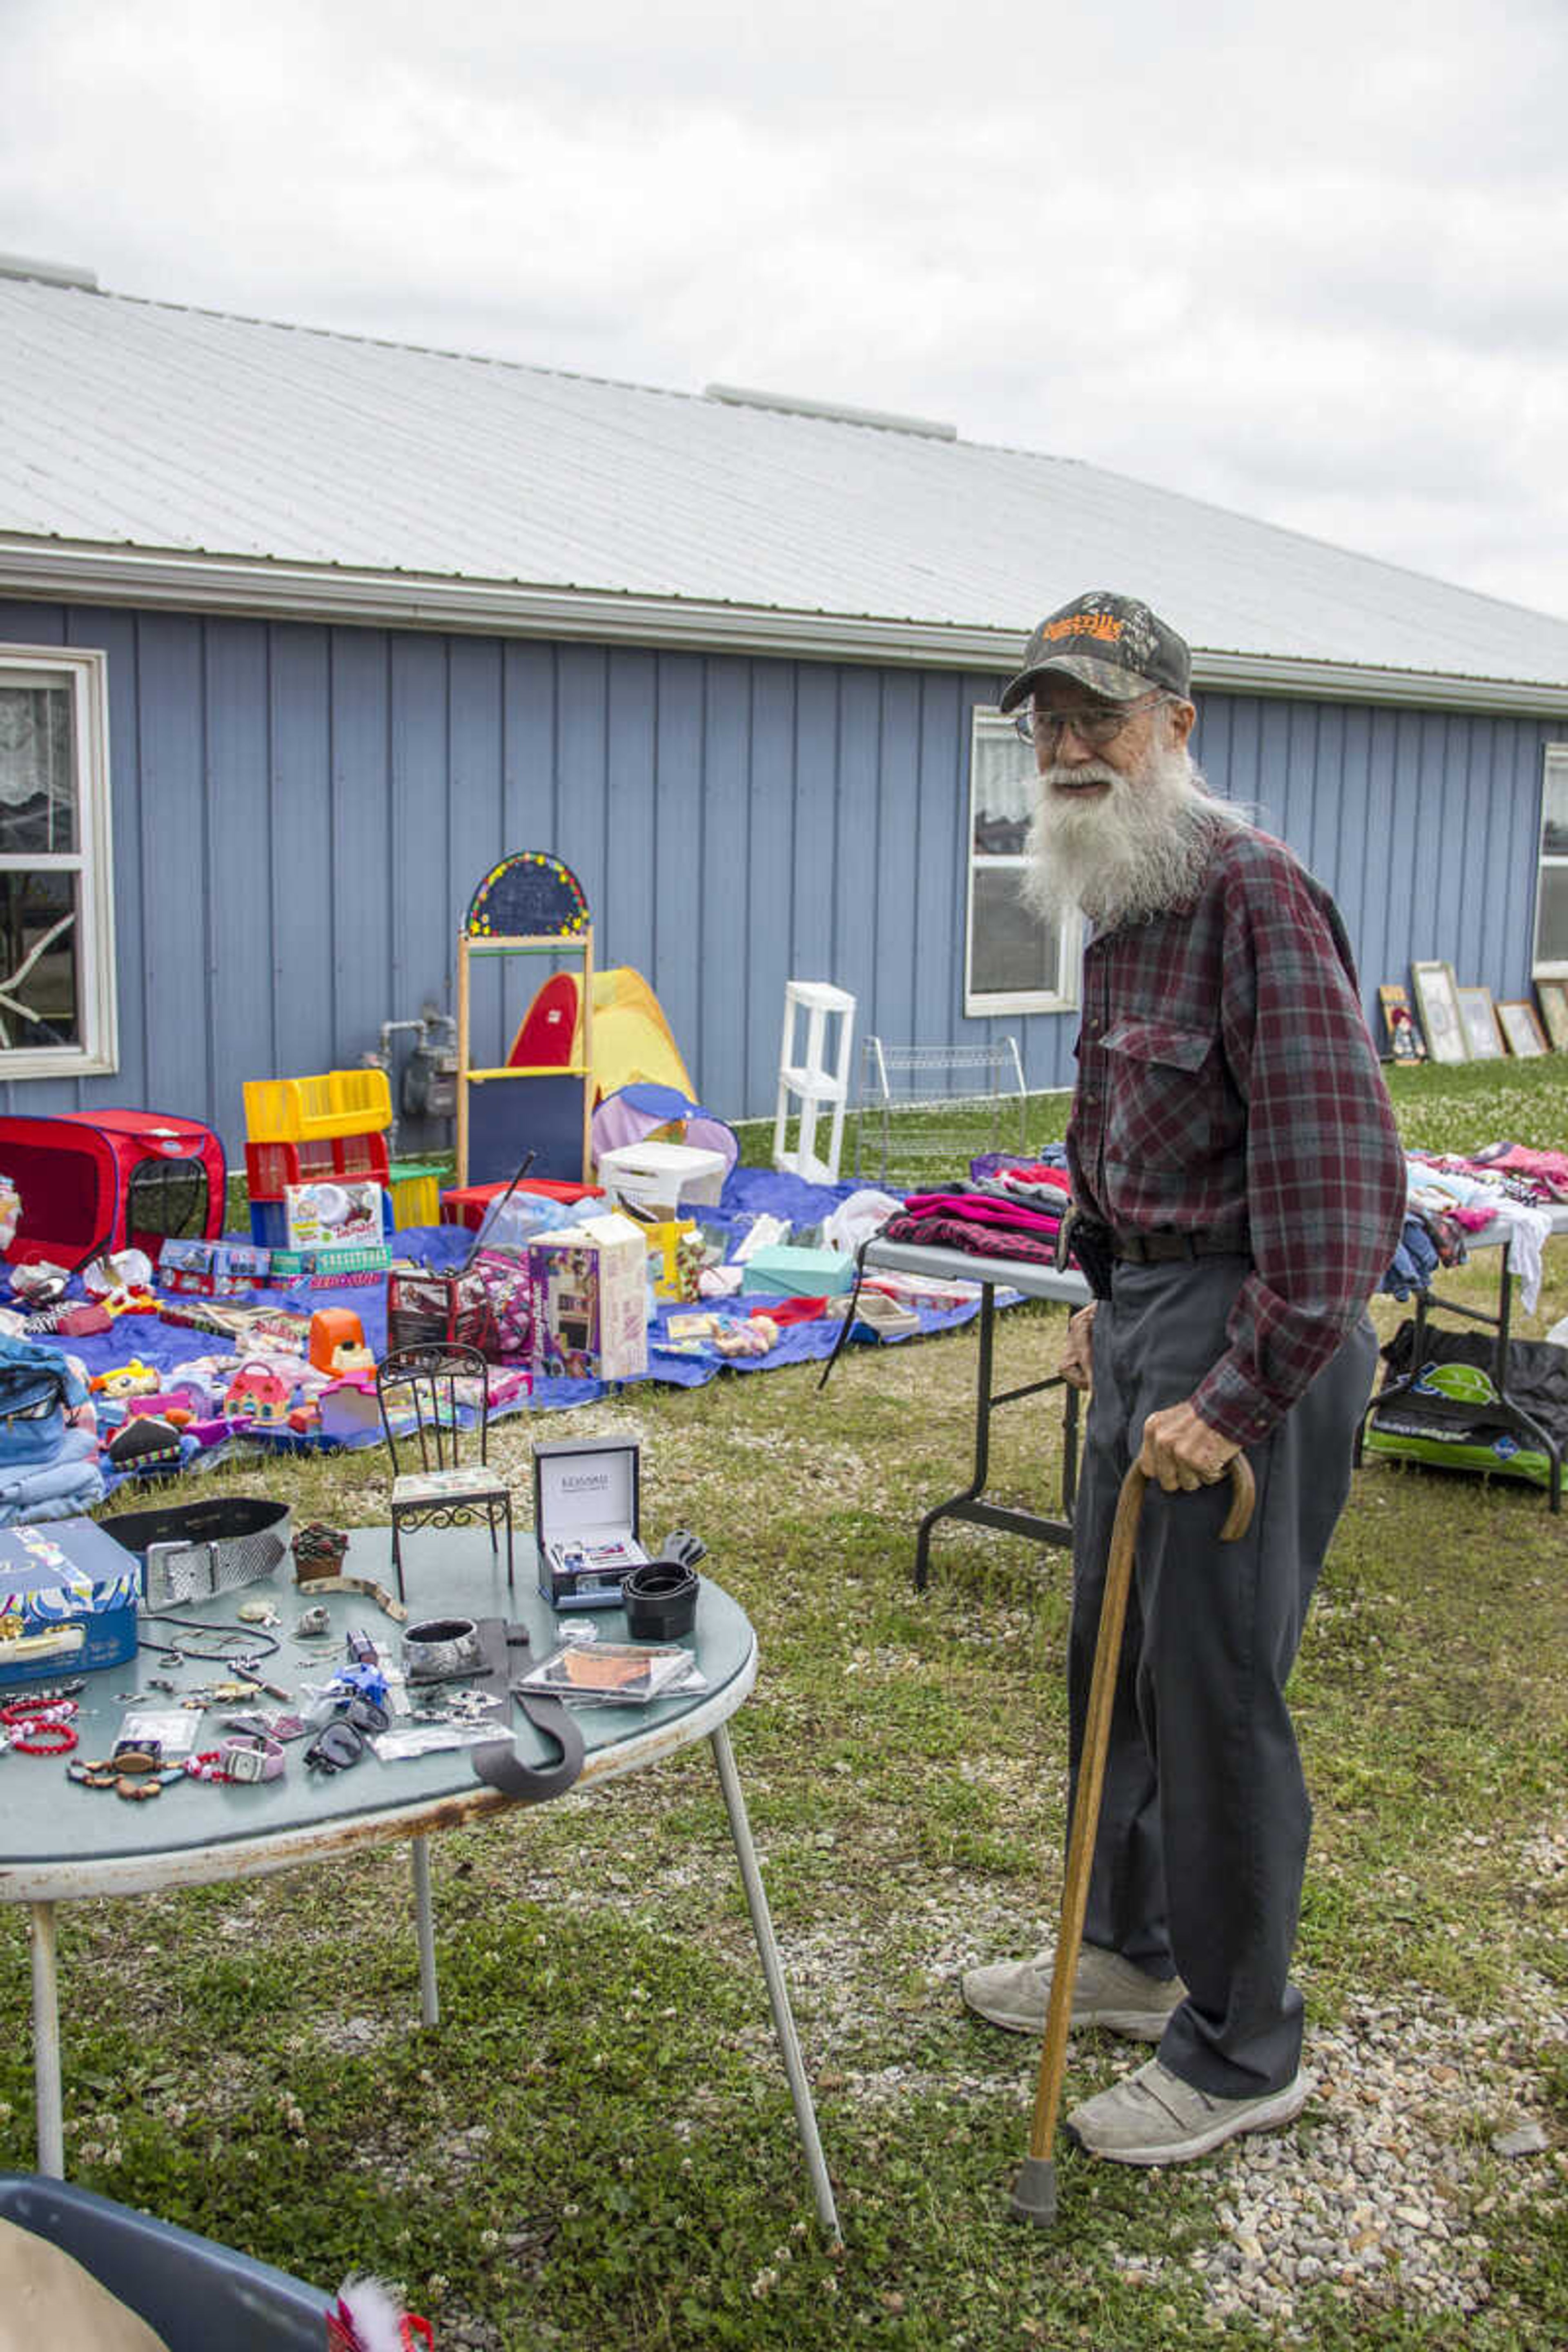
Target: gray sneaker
[
  {"x": 1107, "y": 1991},
  {"x": 1154, "y": 2117}
]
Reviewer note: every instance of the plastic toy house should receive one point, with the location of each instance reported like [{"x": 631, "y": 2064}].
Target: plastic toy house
[{"x": 256, "y": 1395}]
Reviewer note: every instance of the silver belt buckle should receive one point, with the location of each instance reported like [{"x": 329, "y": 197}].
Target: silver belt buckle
[{"x": 165, "y": 1583}]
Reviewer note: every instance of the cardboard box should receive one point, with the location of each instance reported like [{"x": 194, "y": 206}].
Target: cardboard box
[
  {"x": 68, "y": 1600},
  {"x": 785, "y": 1271},
  {"x": 587, "y": 1500},
  {"x": 676, "y": 1256},
  {"x": 212, "y": 1269},
  {"x": 345, "y": 1215},
  {"x": 325, "y": 1269},
  {"x": 589, "y": 1299}
]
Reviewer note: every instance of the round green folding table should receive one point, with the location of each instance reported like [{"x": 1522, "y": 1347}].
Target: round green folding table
[{"x": 60, "y": 1842}]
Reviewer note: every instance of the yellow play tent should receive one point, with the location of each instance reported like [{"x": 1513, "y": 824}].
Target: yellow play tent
[{"x": 632, "y": 1040}]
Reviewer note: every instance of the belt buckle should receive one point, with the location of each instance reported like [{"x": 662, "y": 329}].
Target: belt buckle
[{"x": 162, "y": 1573}]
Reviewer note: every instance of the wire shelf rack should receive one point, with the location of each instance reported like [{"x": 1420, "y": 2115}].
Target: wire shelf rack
[{"x": 920, "y": 1109}]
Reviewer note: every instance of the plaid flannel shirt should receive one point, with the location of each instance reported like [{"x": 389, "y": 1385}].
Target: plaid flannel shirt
[{"x": 1227, "y": 1086}]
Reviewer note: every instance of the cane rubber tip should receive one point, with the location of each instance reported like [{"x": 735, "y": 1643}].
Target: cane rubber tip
[{"x": 1035, "y": 2191}]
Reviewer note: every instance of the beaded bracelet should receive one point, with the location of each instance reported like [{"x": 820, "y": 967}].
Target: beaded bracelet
[
  {"x": 39, "y": 1710},
  {"x": 43, "y": 1735}
]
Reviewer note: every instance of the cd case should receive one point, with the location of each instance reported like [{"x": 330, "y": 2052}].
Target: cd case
[{"x": 608, "y": 1673}]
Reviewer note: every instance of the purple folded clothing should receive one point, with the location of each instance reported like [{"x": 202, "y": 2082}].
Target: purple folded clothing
[{"x": 974, "y": 1240}]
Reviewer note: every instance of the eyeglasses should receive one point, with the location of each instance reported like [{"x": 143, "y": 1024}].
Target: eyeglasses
[{"x": 1095, "y": 724}]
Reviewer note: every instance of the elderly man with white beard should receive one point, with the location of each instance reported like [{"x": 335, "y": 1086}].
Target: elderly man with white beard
[{"x": 1239, "y": 1191}]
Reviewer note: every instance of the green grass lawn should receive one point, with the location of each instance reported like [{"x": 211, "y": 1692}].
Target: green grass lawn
[{"x": 596, "y": 2148}]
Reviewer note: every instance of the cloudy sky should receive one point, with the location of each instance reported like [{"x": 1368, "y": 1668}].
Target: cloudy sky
[{"x": 1318, "y": 274}]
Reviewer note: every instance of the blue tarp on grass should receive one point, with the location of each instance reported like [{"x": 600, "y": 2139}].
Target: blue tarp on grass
[{"x": 750, "y": 1192}]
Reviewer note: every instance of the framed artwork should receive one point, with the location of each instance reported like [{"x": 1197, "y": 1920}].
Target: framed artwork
[
  {"x": 1402, "y": 1038},
  {"x": 1437, "y": 998},
  {"x": 1482, "y": 1035},
  {"x": 1522, "y": 1028},
  {"x": 1553, "y": 996}
]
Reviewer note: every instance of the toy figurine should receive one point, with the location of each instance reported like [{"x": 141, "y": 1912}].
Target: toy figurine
[{"x": 134, "y": 1379}]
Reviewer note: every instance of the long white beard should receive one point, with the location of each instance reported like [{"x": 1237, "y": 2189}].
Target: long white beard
[{"x": 1126, "y": 855}]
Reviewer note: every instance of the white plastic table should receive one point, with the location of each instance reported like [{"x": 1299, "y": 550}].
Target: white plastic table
[{"x": 60, "y": 1842}]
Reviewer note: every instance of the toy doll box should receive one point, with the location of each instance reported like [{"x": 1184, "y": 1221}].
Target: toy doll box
[
  {"x": 589, "y": 1299},
  {"x": 348, "y": 1215},
  {"x": 586, "y": 1503},
  {"x": 212, "y": 1269},
  {"x": 68, "y": 1600}
]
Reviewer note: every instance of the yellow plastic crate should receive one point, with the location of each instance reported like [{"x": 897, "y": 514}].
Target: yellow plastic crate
[
  {"x": 415, "y": 1194},
  {"x": 310, "y": 1110}
]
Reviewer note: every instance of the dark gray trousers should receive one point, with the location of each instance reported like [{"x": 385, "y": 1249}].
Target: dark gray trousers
[{"x": 1204, "y": 1820}]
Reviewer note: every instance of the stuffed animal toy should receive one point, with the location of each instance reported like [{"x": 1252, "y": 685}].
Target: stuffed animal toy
[{"x": 369, "y": 2319}]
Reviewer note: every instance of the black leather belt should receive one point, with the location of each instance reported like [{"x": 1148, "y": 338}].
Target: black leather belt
[
  {"x": 504, "y": 1650},
  {"x": 1166, "y": 1249}
]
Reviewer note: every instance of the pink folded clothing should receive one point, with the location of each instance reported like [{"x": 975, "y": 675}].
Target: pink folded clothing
[{"x": 982, "y": 1209}]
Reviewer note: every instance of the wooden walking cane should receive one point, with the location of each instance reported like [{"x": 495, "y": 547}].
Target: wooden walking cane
[{"x": 1035, "y": 2190}]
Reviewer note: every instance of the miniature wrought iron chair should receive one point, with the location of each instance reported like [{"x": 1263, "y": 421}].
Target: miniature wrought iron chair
[{"x": 434, "y": 1402}]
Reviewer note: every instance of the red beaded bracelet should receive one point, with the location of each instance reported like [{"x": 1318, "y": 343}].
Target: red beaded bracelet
[
  {"x": 42, "y": 1737},
  {"x": 39, "y": 1710}
]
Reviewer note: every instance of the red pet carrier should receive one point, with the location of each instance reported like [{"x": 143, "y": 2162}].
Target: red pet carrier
[{"x": 104, "y": 1179}]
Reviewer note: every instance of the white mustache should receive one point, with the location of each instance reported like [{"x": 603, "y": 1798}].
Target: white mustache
[{"x": 1092, "y": 771}]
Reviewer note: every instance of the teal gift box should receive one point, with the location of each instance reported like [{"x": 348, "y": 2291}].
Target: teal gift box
[
  {"x": 68, "y": 1600},
  {"x": 788, "y": 1271}
]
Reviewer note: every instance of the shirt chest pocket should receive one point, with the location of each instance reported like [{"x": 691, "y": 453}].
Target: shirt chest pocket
[{"x": 1164, "y": 1088}]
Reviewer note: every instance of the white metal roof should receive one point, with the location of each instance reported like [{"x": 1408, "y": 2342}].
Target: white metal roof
[{"x": 194, "y": 459}]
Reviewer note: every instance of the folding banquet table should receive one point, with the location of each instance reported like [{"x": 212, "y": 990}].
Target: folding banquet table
[
  {"x": 62, "y": 1842},
  {"x": 1068, "y": 1289}
]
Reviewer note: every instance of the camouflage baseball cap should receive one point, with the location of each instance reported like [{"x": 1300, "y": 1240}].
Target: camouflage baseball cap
[{"x": 1114, "y": 645}]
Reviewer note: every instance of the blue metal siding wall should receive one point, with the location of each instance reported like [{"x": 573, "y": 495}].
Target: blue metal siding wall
[{"x": 302, "y": 812}]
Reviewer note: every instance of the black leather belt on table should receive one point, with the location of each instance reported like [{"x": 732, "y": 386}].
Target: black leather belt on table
[
  {"x": 1169, "y": 1249},
  {"x": 505, "y": 1653},
  {"x": 192, "y": 1551}
]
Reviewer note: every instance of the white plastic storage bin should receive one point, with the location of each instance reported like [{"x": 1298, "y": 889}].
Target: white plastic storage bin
[{"x": 663, "y": 1175}]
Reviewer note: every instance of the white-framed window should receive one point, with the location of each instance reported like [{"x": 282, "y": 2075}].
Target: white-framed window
[
  {"x": 57, "y": 899},
  {"x": 1014, "y": 963},
  {"x": 1550, "y": 959}
]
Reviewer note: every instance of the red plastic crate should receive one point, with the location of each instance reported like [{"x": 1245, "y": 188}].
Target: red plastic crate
[{"x": 270, "y": 1167}]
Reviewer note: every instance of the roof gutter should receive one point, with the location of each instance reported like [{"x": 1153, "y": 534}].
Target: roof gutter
[{"x": 328, "y": 593}]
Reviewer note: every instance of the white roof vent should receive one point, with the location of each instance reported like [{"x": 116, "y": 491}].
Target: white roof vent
[
  {"x": 880, "y": 420},
  {"x": 49, "y": 273}
]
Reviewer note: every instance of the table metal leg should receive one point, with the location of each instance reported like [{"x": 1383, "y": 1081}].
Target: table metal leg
[
  {"x": 773, "y": 1969},
  {"x": 971, "y": 1503},
  {"x": 47, "y": 2095},
  {"x": 424, "y": 1930}
]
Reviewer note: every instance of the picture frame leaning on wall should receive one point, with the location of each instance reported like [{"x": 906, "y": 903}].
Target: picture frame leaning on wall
[
  {"x": 1482, "y": 1035},
  {"x": 1521, "y": 1027},
  {"x": 1402, "y": 1038},
  {"x": 1553, "y": 997},
  {"x": 1437, "y": 997}
]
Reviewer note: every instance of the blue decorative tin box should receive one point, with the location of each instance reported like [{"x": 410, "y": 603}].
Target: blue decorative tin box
[{"x": 68, "y": 1600}]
